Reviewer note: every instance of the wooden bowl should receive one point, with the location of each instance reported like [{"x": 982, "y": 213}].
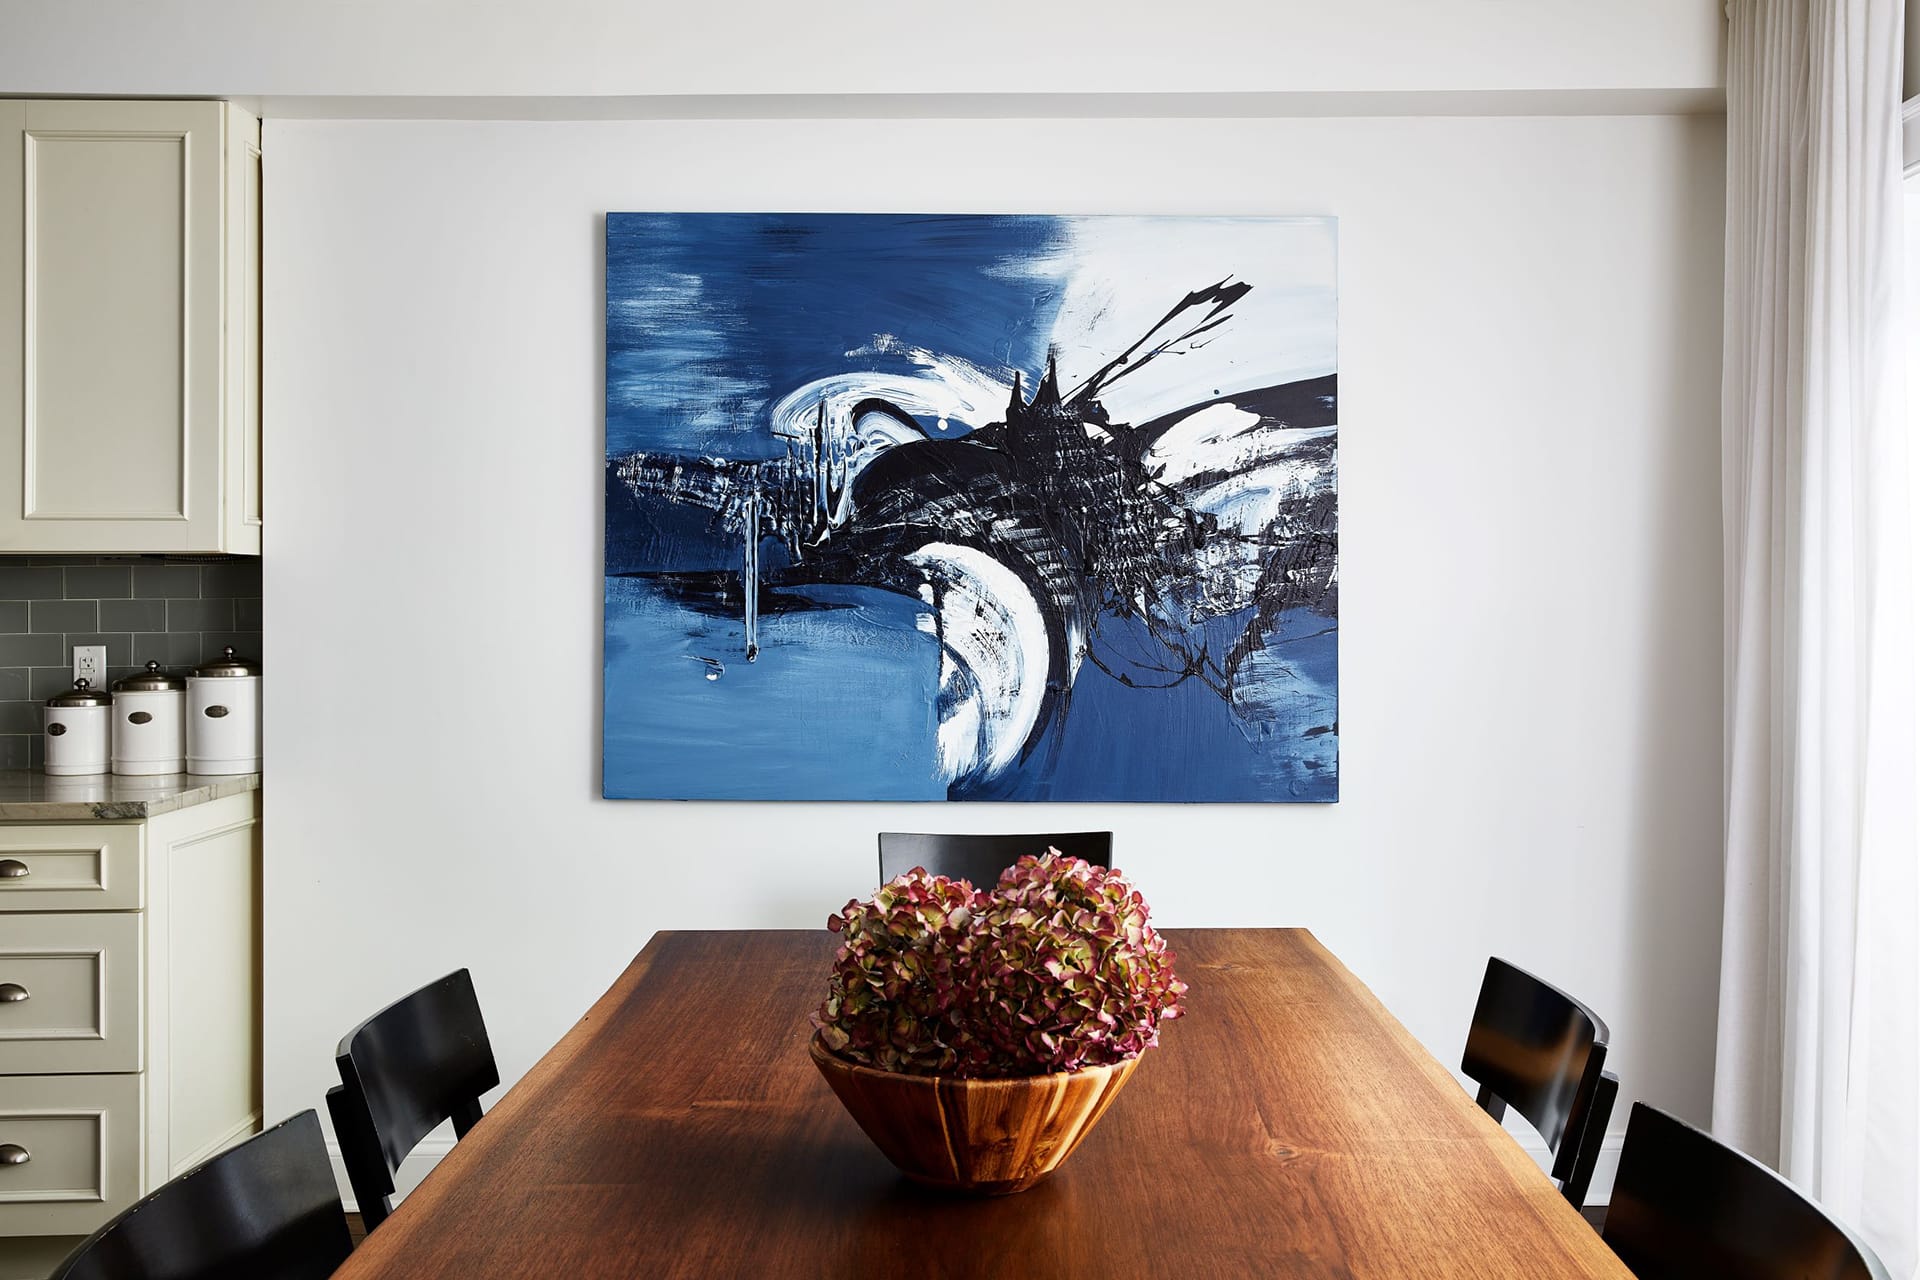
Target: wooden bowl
[{"x": 989, "y": 1137}]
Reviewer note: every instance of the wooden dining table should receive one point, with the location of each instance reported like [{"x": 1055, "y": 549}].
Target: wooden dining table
[{"x": 1287, "y": 1126}]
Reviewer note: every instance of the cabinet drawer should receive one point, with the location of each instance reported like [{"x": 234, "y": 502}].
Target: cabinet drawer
[
  {"x": 70, "y": 993},
  {"x": 71, "y": 866},
  {"x": 81, "y": 1135}
]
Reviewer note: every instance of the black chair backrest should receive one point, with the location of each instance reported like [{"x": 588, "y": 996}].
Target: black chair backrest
[
  {"x": 1536, "y": 1049},
  {"x": 1686, "y": 1206},
  {"x": 981, "y": 858},
  {"x": 419, "y": 1061},
  {"x": 266, "y": 1209}
]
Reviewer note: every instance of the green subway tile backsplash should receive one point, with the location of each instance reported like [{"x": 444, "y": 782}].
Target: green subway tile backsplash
[
  {"x": 32, "y": 582},
  {"x": 31, "y": 650},
  {"x": 133, "y": 615},
  {"x": 177, "y": 613},
  {"x": 200, "y": 615},
  {"x": 99, "y": 582},
  {"x": 164, "y": 580},
  {"x": 63, "y": 617}
]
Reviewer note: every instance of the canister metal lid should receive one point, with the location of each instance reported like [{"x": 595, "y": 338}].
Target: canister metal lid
[
  {"x": 228, "y": 667},
  {"x": 83, "y": 694},
  {"x": 152, "y": 680}
]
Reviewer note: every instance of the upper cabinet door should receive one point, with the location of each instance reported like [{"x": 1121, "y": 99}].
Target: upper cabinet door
[{"x": 133, "y": 423}]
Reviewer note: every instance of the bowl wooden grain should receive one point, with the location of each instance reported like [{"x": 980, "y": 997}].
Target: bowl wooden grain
[{"x": 988, "y": 1137}]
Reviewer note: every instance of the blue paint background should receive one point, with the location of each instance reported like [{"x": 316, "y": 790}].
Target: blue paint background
[
  {"x": 782, "y": 298},
  {"x": 787, "y": 726},
  {"x": 713, "y": 317}
]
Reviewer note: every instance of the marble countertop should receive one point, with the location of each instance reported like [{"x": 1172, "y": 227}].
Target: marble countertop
[{"x": 27, "y": 795}]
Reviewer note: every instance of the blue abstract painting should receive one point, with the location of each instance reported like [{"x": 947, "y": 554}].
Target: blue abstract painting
[{"x": 914, "y": 507}]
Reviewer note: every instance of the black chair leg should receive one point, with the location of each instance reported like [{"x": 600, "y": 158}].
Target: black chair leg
[
  {"x": 359, "y": 1151},
  {"x": 1491, "y": 1104},
  {"x": 465, "y": 1116},
  {"x": 1591, "y": 1139}
]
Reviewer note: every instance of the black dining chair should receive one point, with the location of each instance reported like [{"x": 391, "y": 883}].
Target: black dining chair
[
  {"x": 1536, "y": 1049},
  {"x": 1686, "y": 1206},
  {"x": 418, "y": 1062},
  {"x": 266, "y": 1209},
  {"x": 981, "y": 858}
]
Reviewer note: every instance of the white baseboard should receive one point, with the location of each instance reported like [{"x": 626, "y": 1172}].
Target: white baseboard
[
  {"x": 428, "y": 1154},
  {"x": 412, "y": 1169},
  {"x": 245, "y": 1129},
  {"x": 1601, "y": 1189}
]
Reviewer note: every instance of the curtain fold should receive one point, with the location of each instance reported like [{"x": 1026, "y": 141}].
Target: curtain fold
[{"x": 1818, "y": 1066}]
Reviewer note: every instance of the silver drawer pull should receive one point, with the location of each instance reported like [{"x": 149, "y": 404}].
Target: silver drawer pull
[
  {"x": 14, "y": 993},
  {"x": 12, "y": 1153},
  {"x": 12, "y": 869}
]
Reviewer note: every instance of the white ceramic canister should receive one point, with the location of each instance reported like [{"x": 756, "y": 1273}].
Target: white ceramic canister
[
  {"x": 223, "y": 717},
  {"x": 150, "y": 723},
  {"x": 77, "y": 730}
]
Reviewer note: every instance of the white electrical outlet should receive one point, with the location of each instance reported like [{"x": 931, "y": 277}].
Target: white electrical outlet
[{"x": 90, "y": 664}]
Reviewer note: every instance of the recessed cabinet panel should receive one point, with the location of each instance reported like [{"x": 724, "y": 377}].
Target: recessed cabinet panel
[
  {"x": 64, "y": 1156},
  {"x": 212, "y": 973},
  {"x": 107, "y": 326}
]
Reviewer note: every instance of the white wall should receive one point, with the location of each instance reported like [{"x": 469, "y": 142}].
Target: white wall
[
  {"x": 1530, "y": 581},
  {"x": 589, "y": 47}
]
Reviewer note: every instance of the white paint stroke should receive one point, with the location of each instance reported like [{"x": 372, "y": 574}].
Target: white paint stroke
[
  {"x": 993, "y": 658},
  {"x": 948, "y": 397},
  {"x": 1261, "y": 468}
]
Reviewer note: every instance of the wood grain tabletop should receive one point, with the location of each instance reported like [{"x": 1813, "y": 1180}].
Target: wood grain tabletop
[{"x": 1288, "y": 1126}]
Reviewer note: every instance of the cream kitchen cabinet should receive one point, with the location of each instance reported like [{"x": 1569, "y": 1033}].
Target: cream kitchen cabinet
[
  {"x": 129, "y": 327},
  {"x": 129, "y": 1005}
]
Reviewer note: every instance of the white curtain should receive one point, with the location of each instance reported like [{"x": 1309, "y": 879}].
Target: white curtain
[{"x": 1818, "y": 1067}]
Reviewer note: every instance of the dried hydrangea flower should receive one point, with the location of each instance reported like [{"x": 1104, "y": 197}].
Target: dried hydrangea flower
[
  {"x": 892, "y": 997},
  {"x": 1063, "y": 971},
  {"x": 1057, "y": 968}
]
